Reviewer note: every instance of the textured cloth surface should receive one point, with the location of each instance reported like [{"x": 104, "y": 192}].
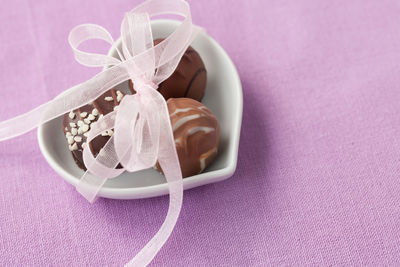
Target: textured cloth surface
[{"x": 317, "y": 181}]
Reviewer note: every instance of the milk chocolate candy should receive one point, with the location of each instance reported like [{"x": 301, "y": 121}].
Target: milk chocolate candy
[
  {"x": 196, "y": 133},
  {"x": 188, "y": 80}
]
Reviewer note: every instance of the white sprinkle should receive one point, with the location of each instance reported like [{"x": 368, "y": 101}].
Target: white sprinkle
[
  {"x": 91, "y": 117},
  {"x": 80, "y": 123},
  {"x": 83, "y": 114},
  {"x": 68, "y": 134},
  {"x": 85, "y": 128},
  {"x": 87, "y": 121},
  {"x": 78, "y": 139},
  {"x": 80, "y": 131},
  {"x": 104, "y": 134},
  {"x": 74, "y": 131},
  {"x": 70, "y": 140},
  {"x": 119, "y": 96},
  {"x": 115, "y": 108},
  {"x": 71, "y": 115},
  {"x": 101, "y": 116},
  {"x": 72, "y": 124},
  {"x": 83, "y": 145},
  {"x": 73, "y": 147},
  {"x": 108, "y": 98},
  {"x": 110, "y": 132},
  {"x": 66, "y": 129},
  {"x": 95, "y": 112},
  {"x": 86, "y": 134}
]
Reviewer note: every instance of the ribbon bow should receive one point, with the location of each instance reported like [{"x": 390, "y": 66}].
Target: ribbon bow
[{"x": 137, "y": 142}]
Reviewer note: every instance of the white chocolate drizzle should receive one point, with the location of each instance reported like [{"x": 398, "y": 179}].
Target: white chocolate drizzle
[
  {"x": 184, "y": 120},
  {"x": 202, "y": 164},
  {"x": 206, "y": 130},
  {"x": 178, "y": 141},
  {"x": 180, "y": 110},
  {"x": 205, "y": 156},
  {"x": 203, "y": 108}
]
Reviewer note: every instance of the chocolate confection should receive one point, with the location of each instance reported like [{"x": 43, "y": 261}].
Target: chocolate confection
[
  {"x": 188, "y": 80},
  {"x": 76, "y": 124},
  {"x": 196, "y": 133}
]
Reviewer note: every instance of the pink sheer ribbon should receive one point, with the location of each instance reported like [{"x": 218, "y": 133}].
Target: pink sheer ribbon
[{"x": 142, "y": 130}]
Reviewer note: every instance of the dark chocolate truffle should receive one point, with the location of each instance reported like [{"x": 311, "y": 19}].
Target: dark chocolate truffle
[
  {"x": 188, "y": 80},
  {"x": 77, "y": 123},
  {"x": 196, "y": 133}
]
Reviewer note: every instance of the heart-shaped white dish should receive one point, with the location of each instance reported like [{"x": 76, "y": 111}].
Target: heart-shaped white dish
[{"x": 223, "y": 97}]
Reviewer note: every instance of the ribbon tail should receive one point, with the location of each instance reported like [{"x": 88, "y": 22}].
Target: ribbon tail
[
  {"x": 169, "y": 162},
  {"x": 146, "y": 255},
  {"x": 71, "y": 99},
  {"x": 102, "y": 167},
  {"x": 105, "y": 163},
  {"x": 90, "y": 185}
]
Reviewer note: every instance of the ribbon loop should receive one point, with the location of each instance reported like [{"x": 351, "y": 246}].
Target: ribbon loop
[
  {"x": 137, "y": 38},
  {"x": 137, "y": 128},
  {"x": 85, "y": 32}
]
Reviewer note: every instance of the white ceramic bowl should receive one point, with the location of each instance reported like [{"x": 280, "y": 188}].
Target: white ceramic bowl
[{"x": 223, "y": 97}]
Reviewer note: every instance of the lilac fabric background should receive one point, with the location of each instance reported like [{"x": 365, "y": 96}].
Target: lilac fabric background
[{"x": 317, "y": 181}]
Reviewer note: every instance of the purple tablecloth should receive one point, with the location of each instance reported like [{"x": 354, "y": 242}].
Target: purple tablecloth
[{"x": 317, "y": 181}]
